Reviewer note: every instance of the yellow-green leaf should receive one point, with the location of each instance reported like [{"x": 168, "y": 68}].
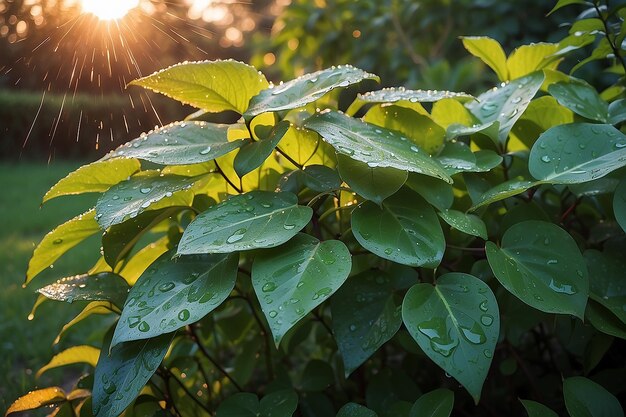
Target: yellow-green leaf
[
  {"x": 37, "y": 399},
  {"x": 95, "y": 307},
  {"x": 60, "y": 240},
  {"x": 490, "y": 52},
  {"x": 75, "y": 354},
  {"x": 96, "y": 177},
  {"x": 213, "y": 86},
  {"x": 530, "y": 58}
]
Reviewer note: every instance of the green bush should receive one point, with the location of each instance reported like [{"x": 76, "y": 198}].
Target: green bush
[{"x": 305, "y": 260}]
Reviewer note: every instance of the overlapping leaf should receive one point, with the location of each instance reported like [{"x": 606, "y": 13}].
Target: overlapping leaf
[{"x": 105, "y": 286}]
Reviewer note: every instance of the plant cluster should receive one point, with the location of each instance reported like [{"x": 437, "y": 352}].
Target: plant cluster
[{"x": 334, "y": 253}]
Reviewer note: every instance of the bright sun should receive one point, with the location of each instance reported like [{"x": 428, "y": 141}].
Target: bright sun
[{"x": 108, "y": 9}]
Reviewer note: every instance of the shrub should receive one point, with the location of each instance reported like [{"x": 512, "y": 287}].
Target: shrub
[{"x": 357, "y": 266}]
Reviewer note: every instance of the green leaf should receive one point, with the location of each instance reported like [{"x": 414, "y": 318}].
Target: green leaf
[
  {"x": 213, "y": 86},
  {"x": 393, "y": 95},
  {"x": 149, "y": 191},
  {"x": 541, "y": 264},
  {"x": 96, "y": 177},
  {"x": 617, "y": 111},
  {"x": 122, "y": 374},
  {"x": 604, "y": 320},
  {"x": 242, "y": 404},
  {"x": 174, "y": 293},
  {"x": 606, "y": 280},
  {"x": 293, "y": 279},
  {"x": 376, "y": 146},
  {"x": 95, "y": 307},
  {"x": 252, "y": 155},
  {"x": 373, "y": 184},
  {"x": 355, "y": 410},
  {"x": 563, "y": 3},
  {"x": 619, "y": 203},
  {"x": 502, "y": 191},
  {"x": 490, "y": 52},
  {"x": 60, "y": 240},
  {"x": 438, "y": 193},
  {"x": 317, "y": 376},
  {"x": 437, "y": 403},
  {"x": 466, "y": 223},
  {"x": 105, "y": 286},
  {"x": 281, "y": 403},
  {"x": 585, "y": 398},
  {"x": 75, "y": 354},
  {"x": 37, "y": 399},
  {"x": 305, "y": 89},
  {"x": 581, "y": 98},
  {"x": 457, "y": 157},
  {"x": 535, "y": 409},
  {"x": 508, "y": 103},
  {"x": 258, "y": 219},
  {"x": 577, "y": 152},
  {"x": 420, "y": 129},
  {"x": 320, "y": 178},
  {"x": 365, "y": 316},
  {"x": 530, "y": 58},
  {"x": 180, "y": 143},
  {"x": 404, "y": 230},
  {"x": 456, "y": 323}
]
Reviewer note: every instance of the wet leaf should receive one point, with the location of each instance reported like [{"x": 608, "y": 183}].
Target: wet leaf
[
  {"x": 535, "y": 409},
  {"x": 581, "y": 98},
  {"x": 502, "y": 191},
  {"x": 456, "y": 323},
  {"x": 490, "y": 52},
  {"x": 293, "y": 279},
  {"x": 105, "y": 286},
  {"x": 374, "y": 184},
  {"x": 466, "y": 223},
  {"x": 75, "y": 354},
  {"x": 355, "y": 410},
  {"x": 258, "y": 219},
  {"x": 619, "y": 203},
  {"x": 585, "y": 398},
  {"x": 253, "y": 154},
  {"x": 37, "y": 399},
  {"x": 437, "y": 403},
  {"x": 606, "y": 280}
]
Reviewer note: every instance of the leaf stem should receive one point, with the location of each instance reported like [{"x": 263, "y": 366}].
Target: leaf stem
[
  {"x": 232, "y": 184},
  {"x": 189, "y": 393},
  {"x": 607, "y": 34},
  {"x": 205, "y": 352},
  {"x": 287, "y": 157}
]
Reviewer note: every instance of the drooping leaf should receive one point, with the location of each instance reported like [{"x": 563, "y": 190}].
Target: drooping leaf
[
  {"x": 37, "y": 399},
  {"x": 293, "y": 279},
  {"x": 490, "y": 52},
  {"x": 577, "y": 152},
  {"x": 437, "y": 403},
  {"x": 404, "y": 230},
  {"x": 604, "y": 320},
  {"x": 173, "y": 293},
  {"x": 420, "y": 129},
  {"x": 456, "y": 322},
  {"x": 466, "y": 223},
  {"x": 141, "y": 193},
  {"x": 305, "y": 89},
  {"x": 541, "y": 264},
  {"x": 585, "y": 398},
  {"x": 96, "y": 177},
  {"x": 535, "y": 409},
  {"x": 253, "y": 154},
  {"x": 75, "y": 354},
  {"x": 619, "y": 203},
  {"x": 60, "y": 240},
  {"x": 582, "y": 99},
  {"x": 122, "y": 374},
  {"x": 365, "y": 317},
  {"x": 502, "y": 191},
  {"x": 606, "y": 280},
  {"x": 258, "y": 219},
  {"x": 105, "y": 286},
  {"x": 374, "y": 184},
  {"x": 180, "y": 143},
  {"x": 530, "y": 58},
  {"x": 376, "y": 146},
  {"x": 355, "y": 410},
  {"x": 95, "y": 307},
  {"x": 213, "y": 86},
  {"x": 506, "y": 104}
]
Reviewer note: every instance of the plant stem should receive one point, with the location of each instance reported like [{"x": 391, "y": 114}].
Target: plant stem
[
  {"x": 232, "y": 184},
  {"x": 196, "y": 339},
  {"x": 616, "y": 50},
  {"x": 189, "y": 393}
]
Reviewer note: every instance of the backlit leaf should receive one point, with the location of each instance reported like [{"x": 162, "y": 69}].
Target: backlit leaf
[
  {"x": 490, "y": 52},
  {"x": 75, "y": 354},
  {"x": 253, "y": 154},
  {"x": 37, "y": 399},
  {"x": 105, "y": 286}
]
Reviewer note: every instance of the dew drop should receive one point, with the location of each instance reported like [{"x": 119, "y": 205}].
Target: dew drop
[
  {"x": 486, "y": 320},
  {"x": 183, "y": 315},
  {"x": 273, "y": 313},
  {"x": 57, "y": 241},
  {"x": 168, "y": 286},
  {"x": 145, "y": 190},
  {"x": 352, "y": 327},
  {"x": 205, "y": 151},
  {"x": 237, "y": 236},
  {"x": 269, "y": 287},
  {"x": 483, "y": 306},
  {"x": 143, "y": 327},
  {"x": 546, "y": 158},
  {"x": 289, "y": 226}
]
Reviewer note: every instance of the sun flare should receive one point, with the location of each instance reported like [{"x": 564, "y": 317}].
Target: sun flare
[{"x": 108, "y": 9}]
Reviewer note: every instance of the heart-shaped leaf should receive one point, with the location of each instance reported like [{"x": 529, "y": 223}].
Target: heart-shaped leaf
[
  {"x": 405, "y": 230},
  {"x": 541, "y": 264},
  {"x": 585, "y": 398},
  {"x": 180, "y": 143},
  {"x": 174, "y": 293},
  {"x": 374, "y": 184},
  {"x": 466, "y": 223},
  {"x": 147, "y": 191},
  {"x": 376, "y": 146},
  {"x": 437, "y": 403},
  {"x": 581, "y": 98},
  {"x": 577, "y": 152},
  {"x": 121, "y": 374},
  {"x": 606, "y": 280},
  {"x": 365, "y": 317},
  {"x": 456, "y": 323},
  {"x": 105, "y": 286},
  {"x": 259, "y": 219},
  {"x": 60, "y": 240},
  {"x": 252, "y": 155},
  {"x": 293, "y": 279},
  {"x": 213, "y": 86},
  {"x": 96, "y": 177},
  {"x": 305, "y": 89}
]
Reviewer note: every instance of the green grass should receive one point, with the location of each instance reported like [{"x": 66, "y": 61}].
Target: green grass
[{"x": 27, "y": 345}]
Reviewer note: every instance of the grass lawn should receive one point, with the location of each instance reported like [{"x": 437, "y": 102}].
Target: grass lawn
[{"x": 27, "y": 345}]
